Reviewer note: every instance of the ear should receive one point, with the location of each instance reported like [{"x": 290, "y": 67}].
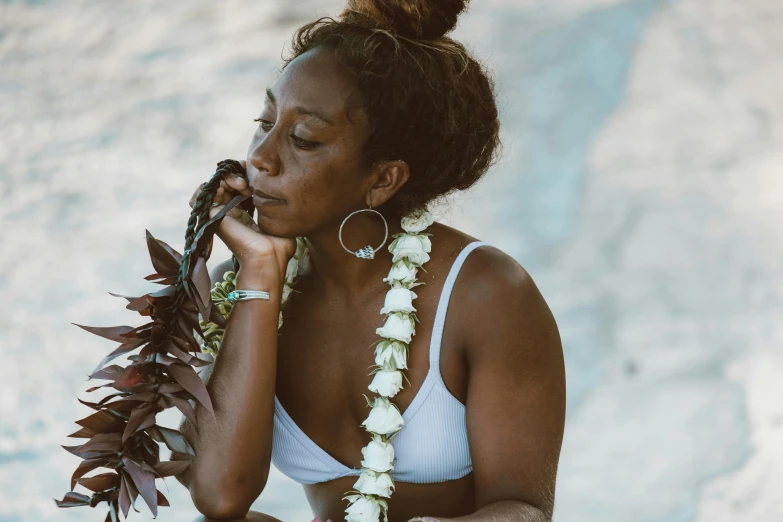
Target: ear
[{"x": 387, "y": 178}]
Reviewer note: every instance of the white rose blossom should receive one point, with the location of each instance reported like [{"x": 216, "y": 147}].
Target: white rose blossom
[
  {"x": 417, "y": 221},
  {"x": 286, "y": 292},
  {"x": 412, "y": 247},
  {"x": 399, "y": 300},
  {"x": 399, "y": 326},
  {"x": 384, "y": 418},
  {"x": 301, "y": 248},
  {"x": 426, "y": 244},
  {"x": 291, "y": 270},
  {"x": 403, "y": 272},
  {"x": 363, "y": 509},
  {"x": 378, "y": 455},
  {"x": 386, "y": 383},
  {"x": 373, "y": 483},
  {"x": 391, "y": 355}
]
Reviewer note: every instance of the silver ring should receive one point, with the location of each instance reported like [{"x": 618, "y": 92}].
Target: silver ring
[{"x": 214, "y": 204}]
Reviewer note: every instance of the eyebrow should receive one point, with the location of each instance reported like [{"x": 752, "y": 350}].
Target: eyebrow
[{"x": 301, "y": 110}]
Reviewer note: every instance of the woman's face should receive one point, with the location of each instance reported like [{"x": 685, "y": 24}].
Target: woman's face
[{"x": 306, "y": 151}]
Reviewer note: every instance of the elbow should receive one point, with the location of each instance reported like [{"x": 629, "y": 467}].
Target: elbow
[{"x": 225, "y": 502}]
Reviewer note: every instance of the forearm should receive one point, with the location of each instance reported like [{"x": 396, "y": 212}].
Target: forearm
[
  {"x": 233, "y": 448},
  {"x": 502, "y": 511}
]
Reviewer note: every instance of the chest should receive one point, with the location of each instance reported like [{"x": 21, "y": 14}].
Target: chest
[{"x": 325, "y": 354}]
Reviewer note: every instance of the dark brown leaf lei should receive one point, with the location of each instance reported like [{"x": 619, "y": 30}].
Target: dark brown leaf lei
[{"x": 122, "y": 433}]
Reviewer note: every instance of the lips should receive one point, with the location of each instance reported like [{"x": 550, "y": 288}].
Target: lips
[{"x": 264, "y": 195}]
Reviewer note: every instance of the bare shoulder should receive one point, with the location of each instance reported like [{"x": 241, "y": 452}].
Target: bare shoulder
[{"x": 503, "y": 306}]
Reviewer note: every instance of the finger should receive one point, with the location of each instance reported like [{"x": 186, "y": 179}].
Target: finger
[
  {"x": 237, "y": 183},
  {"x": 231, "y": 231},
  {"x": 194, "y": 197}
]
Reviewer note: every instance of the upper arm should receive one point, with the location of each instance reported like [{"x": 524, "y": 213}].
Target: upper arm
[{"x": 515, "y": 406}]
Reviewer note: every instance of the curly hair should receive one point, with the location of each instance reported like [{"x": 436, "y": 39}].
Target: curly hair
[{"x": 429, "y": 102}]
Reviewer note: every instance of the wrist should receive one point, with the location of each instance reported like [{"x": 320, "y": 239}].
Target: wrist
[{"x": 265, "y": 277}]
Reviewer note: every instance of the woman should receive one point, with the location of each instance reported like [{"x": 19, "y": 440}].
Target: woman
[{"x": 377, "y": 110}]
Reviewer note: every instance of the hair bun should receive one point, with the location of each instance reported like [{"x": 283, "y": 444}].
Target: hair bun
[{"x": 419, "y": 19}]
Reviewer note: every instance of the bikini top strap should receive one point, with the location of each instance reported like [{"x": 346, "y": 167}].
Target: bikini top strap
[{"x": 443, "y": 304}]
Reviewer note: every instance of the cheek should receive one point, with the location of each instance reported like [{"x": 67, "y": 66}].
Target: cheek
[{"x": 322, "y": 194}]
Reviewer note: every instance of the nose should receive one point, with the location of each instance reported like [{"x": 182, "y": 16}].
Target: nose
[{"x": 263, "y": 155}]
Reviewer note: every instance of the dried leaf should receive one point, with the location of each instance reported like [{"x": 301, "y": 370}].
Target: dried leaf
[
  {"x": 173, "y": 347},
  {"x": 73, "y": 499},
  {"x": 172, "y": 467},
  {"x": 84, "y": 433},
  {"x": 113, "y": 333},
  {"x": 162, "y": 500},
  {"x": 145, "y": 396},
  {"x": 186, "y": 376},
  {"x": 133, "y": 374},
  {"x": 133, "y": 492},
  {"x": 111, "y": 372},
  {"x": 137, "y": 417},
  {"x": 102, "y": 422},
  {"x": 174, "y": 440},
  {"x": 120, "y": 350},
  {"x": 104, "y": 442},
  {"x": 86, "y": 466},
  {"x": 140, "y": 303},
  {"x": 124, "y": 497},
  {"x": 165, "y": 259},
  {"x": 201, "y": 286},
  {"x": 185, "y": 407},
  {"x": 100, "y": 482},
  {"x": 170, "y": 387},
  {"x": 186, "y": 333},
  {"x": 76, "y": 450},
  {"x": 145, "y": 483}
]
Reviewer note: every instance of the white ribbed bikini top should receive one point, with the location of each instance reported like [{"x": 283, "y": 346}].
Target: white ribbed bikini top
[{"x": 433, "y": 444}]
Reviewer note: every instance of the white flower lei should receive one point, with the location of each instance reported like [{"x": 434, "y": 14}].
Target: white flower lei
[{"x": 410, "y": 250}]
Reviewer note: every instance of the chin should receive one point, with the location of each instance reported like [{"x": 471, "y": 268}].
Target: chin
[{"x": 275, "y": 227}]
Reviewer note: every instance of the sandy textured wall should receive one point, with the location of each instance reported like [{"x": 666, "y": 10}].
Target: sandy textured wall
[{"x": 641, "y": 186}]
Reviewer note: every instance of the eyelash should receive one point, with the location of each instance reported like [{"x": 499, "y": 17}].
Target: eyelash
[{"x": 266, "y": 126}]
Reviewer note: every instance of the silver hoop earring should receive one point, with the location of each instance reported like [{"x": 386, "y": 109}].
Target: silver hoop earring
[{"x": 367, "y": 252}]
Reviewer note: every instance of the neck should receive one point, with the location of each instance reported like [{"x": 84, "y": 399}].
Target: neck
[{"x": 338, "y": 270}]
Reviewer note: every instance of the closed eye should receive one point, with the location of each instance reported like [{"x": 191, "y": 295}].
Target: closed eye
[
  {"x": 265, "y": 125},
  {"x": 301, "y": 143}
]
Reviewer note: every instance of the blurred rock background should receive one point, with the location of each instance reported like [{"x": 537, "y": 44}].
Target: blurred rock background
[{"x": 641, "y": 186}]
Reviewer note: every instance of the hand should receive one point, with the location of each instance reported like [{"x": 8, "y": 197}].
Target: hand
[{"x": 241, "y": 234}]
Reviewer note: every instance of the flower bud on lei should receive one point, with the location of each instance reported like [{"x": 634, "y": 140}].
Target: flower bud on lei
[
  {"x": 386, "y": 383},
  {"x": 373, "y": 483},
  {"x": 391, "y": 355}
]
